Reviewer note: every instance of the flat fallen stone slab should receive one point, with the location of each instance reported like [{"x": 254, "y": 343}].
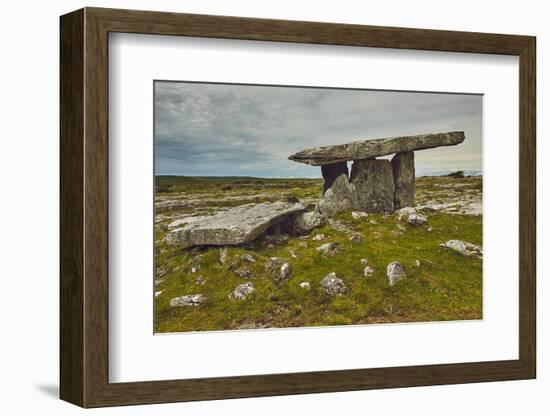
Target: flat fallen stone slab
[
  {"x": 237, "y": 225},
  {"x": 369, "y": 149}
]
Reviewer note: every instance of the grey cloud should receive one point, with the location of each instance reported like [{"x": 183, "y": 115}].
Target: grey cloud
[{"x": 220, "y": 129}]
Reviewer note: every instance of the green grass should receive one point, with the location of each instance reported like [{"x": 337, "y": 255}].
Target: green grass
[{"x": 446, "y": 285}]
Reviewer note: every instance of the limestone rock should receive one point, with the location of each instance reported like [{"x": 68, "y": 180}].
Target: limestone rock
[
  {"x": 328, "y": 249},
  {"x": 395, "y": 272},
  {"x": 332, "y": 172},
  {"x": 403, "y": 178},
  {"x": 373, "y": 183},
  {"x": 243, "y": 272},
  {"x": 248, "y": 257},
  {"x": 242, "y": 291},
  {"x": 463, "y": 247},
  {"x": 319, "y": 237},
  {"x": 403, "y": 213},
  {"x": 333, "y": 285},
  {"x": 367, "y": 271},
  {"x": 306, "y": 221},
  {"x": 278, "y": 268},
  {"x": 339, "y": 197},
  {"x": 369, "y": 149},
  {"x": 305, "y": 285},
  {"x": 416, "y": 219},
  {"x": 237, "y": 225},
  {"x": 188, "y": 300}
]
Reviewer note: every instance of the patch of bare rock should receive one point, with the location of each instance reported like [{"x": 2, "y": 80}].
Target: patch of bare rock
[{"x": 463, "y": 247}]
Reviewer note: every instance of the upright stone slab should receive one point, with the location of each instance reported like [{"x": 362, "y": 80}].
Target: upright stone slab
[
  {"x": 374, "y": 186},
  {"x": 403, "y": 177},
  {"x": 339, "y": 197},
  {"x": 331, "y": 173}
]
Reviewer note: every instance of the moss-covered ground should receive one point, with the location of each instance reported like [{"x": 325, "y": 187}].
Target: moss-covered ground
[{"x": 439, "y": 285}]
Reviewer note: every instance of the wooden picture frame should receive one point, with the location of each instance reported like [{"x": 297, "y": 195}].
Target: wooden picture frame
[{"x": 84, "y": 207}]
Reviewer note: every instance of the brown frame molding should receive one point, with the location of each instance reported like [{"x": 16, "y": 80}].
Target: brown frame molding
[{"x": 84, "y": 207}]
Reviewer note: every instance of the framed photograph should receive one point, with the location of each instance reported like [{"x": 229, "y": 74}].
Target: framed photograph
[{"x": 254, "y": 207}]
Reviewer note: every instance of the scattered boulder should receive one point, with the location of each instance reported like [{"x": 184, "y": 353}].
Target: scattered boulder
[
  {"x": 242, "y": 291},
  {"x": 243, "y": 272},
  {"x": 188, "y": 300},
  {"x": 306, "y": 221},
  {"x": 237, "y": 225},
  {"x": 278, "y": 268},
  {"x": 333, "y": 285},
  {"x": 463, "y": 247},
  {"x": 248, "y": 257},
  {"x": 318, "y": 237},
  {"x": 305, "y": 285},
  {"x": 328, "y": 249},
  {"x": 395, "y": 272},
  {"x": 416, "y": 220}
]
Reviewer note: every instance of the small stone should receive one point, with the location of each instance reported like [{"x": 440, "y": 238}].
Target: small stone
[
  {"x": 403, "y": 213},
  {"x": 319, "y": 237},
  {"x": 364, "y": 262},
  {"x": 305, "y": 285},
  {"x": 278, "y": 268},
  {"x": 243, "y": 272},
  {"x": 292, "y": 253},
  {"x": 463, "y": 247},
  {"x": 328, "y": 249},
  {"x": 395, "y": 272},
  {"x": 333, "y": 285},
  {"x": 242, "y": 291},
  {"x": 356, "y": 238},
  {"x": 359, "y": 214},
  {"x": 416, "y": 220},
  {"x": 428, "y": 228},
  {"x": 223, "y": 255},
  {"x": 248, "y": 257},
  {"x": 194, "y": 269},
  {"x": 188, "y": 300},
  {"x": 158, "y": 293},
  {"x": 306, "y": 221},
  {"x": 417, "y": 263},
  {"x": 367, "y": 271}
]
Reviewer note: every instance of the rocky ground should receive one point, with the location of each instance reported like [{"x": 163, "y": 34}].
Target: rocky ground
[{"x": 421, "y": 264}]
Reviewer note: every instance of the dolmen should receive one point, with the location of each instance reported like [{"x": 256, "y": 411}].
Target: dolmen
[{"x": 374, "y": 185}]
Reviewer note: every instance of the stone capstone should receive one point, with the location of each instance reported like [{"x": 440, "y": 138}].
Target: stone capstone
[
  {"x": 370, "y": 149},
  {"x": 237, "y": 225}
]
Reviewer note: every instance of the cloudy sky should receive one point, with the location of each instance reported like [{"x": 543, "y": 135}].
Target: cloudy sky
[{"x": 244, "y": 130}]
